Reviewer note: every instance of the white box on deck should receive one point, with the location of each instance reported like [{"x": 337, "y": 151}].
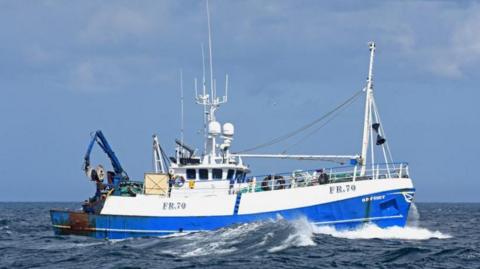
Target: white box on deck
[{"x": 155, "y": 183}]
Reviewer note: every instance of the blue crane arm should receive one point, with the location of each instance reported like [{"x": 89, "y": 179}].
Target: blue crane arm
[{"x": 100, "y": 139}]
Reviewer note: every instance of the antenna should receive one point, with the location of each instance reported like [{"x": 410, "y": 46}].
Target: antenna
[
  {"x": 210, "y": 52},
  {"x": 205, "y": 113},
  {"x": 204, "y": 82},
  {"x": 196, "y": 89},
  {"x": 181, "y": 105},
  {"x": 214, "y": 97},
  {"x": 225, "y": 98},
  {"x": 209, "y": 101}
]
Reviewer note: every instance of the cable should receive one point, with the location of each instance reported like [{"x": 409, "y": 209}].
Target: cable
[
  {"x": 303, "y": 128},
  {"x": 338, "y": 112}
]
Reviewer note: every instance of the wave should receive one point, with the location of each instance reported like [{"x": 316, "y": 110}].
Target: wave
[
  {"x": 272, "y": 236},
  {"x": 249, "y": 238},
  {"x": 372, "y": 231},
  {"x": 222, "y": 241},
  {"x": 301, "y": 236}
]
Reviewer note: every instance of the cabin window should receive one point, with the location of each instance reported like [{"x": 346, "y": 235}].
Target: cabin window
[
  {"x": 240, "y": 176},
  {"x": 191, "y": 174},
  {"x": 203, "y": 174},
  {"x": 230, "y": 174},
  {"x": 217, "y": 173}
]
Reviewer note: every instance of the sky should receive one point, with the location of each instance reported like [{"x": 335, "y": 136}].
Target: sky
[{"x": 68, "y": 68}]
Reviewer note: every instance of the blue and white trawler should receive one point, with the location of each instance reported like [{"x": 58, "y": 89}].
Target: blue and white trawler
[{"x": 193, "y": 192}]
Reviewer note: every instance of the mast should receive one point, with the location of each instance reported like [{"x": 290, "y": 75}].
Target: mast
[
  {"x": 368, "y": 111},
  {"x": 210, "y": 102},
  {"x": 205, "y": 112},
  {"x": 182, "y": 124},
  {"x": 212, "y": 89}
]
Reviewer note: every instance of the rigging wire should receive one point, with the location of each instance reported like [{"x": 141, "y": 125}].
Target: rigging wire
[
  {"x": 305, "y": 137},
  {"x": 303, "y": 128},
  {"x": 377, "y": 115}
]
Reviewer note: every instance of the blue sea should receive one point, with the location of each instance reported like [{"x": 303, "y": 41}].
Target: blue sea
[{"x": 438, "y": 236}]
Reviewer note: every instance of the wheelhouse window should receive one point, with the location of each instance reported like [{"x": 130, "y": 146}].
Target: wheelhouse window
[
  {"x": 230, "y": 174},
  {"x": 217, "y": 173},
  {"x": 203, "y": 174},
  {"x": 191, "y": 174},
  {"x": 240, "y": 176}
]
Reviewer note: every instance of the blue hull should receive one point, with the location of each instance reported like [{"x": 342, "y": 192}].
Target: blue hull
[{"x": 385, "y": 209}]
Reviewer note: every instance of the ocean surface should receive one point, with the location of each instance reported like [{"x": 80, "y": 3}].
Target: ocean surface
[{"x": 438, "y": 236}]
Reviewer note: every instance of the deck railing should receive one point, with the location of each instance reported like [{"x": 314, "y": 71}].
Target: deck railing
[
  {"x": 295, "y": 179},
  {"x": 304, "y": 178}
]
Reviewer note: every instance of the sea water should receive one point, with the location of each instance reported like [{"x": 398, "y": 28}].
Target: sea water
[{"x": 438, "y": 236}]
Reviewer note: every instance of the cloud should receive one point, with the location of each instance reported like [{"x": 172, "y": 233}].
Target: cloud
[
  {"x": 286, "y": 42},
  {"x": 465, "y": 42},
  {"x": 96, "y": 75},
  {"x": 450, "y": 46},
  {"x": 83, "y": 75},
  {"x": 116, "y": 24}
]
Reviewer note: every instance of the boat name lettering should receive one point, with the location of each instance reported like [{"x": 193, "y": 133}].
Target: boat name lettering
[
  {"x": 342, "y": 188},
  {"x": 174, "y": 206},
  {"x": 373, "y": 198}
]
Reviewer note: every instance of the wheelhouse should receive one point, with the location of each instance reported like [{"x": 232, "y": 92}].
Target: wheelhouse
[{"x": 208, "y": 173}]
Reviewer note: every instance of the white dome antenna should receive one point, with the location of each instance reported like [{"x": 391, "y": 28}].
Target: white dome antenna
[
  {"x": 228, "y": 129},
  {"x": 214, "y": 128}
]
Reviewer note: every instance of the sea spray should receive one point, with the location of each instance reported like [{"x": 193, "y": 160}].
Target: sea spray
[
  {"x": 278, "y": 235},
  {"x": 251, "y": 238},
  {"x": 301, "y": 236},
  {"x": 372, "y": 231},
  {"x": 413, "y": 216}
]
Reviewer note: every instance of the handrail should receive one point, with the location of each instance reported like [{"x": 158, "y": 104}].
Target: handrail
[
  {"x": 305, "y": 178},
  {"x": 296, "y": 179},
  {"x": 342, "y": 168}
]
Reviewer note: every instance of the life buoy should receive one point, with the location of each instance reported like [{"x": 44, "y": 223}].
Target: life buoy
[{"x": 179, "y": 181}]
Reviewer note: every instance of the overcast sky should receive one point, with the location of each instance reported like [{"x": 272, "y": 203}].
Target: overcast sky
[{"x": 70, "y": 67}]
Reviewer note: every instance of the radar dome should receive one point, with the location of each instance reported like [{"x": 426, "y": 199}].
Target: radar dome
[
  {"x": 214, "y": 128},
  {"x": 228, "y": 129}
]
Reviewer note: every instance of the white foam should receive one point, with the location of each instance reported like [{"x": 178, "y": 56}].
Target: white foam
[
  {"x": 210, "y": 249},
  {"x": 266, "y": 238},
  {"x": 301, "y": 233},
  {"x": 413, "y": 216},
  {"x": 64, "y": 246},
  {"x": 371, "y": 231},
  {"x": 214, "y": 242},
  {"x": 301, "y": 237},
  {"x": 178, "y": 234}
]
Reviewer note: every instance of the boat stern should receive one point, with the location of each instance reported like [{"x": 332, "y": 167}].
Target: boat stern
[{"x": 67, "y": 222}]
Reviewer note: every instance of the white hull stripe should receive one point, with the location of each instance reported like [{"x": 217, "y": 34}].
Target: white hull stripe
[
  {"x": 125, "y": 230},
  {"x": 356, "y": 220}
]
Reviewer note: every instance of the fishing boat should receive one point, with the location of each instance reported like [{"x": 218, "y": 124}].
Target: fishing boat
[{"x": 199, "y": 191}]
